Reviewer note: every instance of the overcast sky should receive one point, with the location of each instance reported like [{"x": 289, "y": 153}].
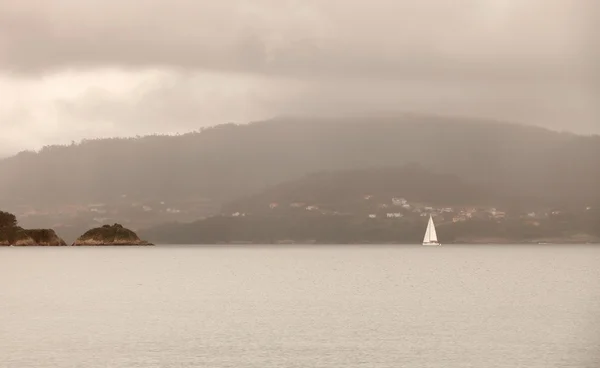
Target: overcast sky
[{"x": 73, "y": 69}]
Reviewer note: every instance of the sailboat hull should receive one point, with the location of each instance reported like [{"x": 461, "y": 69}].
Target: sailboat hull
[{"x": 432, "y": 244}]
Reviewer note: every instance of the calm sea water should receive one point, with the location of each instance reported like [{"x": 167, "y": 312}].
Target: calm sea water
[{"x": 339, "y": 306}]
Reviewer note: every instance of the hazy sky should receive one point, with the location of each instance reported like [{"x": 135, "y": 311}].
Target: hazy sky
[{"x": 71, "y": 69}]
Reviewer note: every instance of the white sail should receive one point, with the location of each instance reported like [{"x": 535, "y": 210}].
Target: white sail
[
  {"x": 430, "y": 233},
  {"x": 427, "y": 232}
]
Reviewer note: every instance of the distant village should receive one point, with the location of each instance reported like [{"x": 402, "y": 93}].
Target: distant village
[
  {"x": 402, "y": 208},
  {"x": 139, "y": 214}
]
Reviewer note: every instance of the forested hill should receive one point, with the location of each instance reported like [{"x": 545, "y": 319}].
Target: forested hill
[
  {"x": 352, "y": 191},
  {"x": 230, "y": 161}
]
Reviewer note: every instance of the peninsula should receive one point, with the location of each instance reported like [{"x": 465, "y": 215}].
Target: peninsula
[{"x": 12, "y": 234}]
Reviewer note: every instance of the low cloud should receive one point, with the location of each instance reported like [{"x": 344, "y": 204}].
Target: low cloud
[
  {"x": 60, "y": 108},
  {"x": 324, "y": 38},
  {"x": 73, "y": 69}
]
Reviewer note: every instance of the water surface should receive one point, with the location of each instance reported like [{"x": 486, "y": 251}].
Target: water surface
[{"x": 336, "y": 306}]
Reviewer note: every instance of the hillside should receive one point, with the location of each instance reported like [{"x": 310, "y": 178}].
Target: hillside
[
  {"x": 347, "y": 229},
  {"x": 201, "y": 170},
  {"x": 383, "y": 205},
  {"x": 362, "y": 190}
]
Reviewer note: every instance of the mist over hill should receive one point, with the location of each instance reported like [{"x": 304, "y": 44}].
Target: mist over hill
[
  {"x": 383, "y": 205},
  {"x": 230, "y": 161},
  {"x": 145, "y": 181},
  {"x": 363, "y": 190}
]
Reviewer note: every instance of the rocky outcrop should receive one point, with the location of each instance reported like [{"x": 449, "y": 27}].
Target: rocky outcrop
[
  {"x": 40, "y": 237},
  {"x": 18, "y": 236},
  {"x": 110, "y": 235}
]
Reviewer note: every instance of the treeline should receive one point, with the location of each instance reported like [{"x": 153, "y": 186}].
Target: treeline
[
  {"x": 231, "y": 161},
  {"x": 355, "y": 230},
  {"x": 7, "y": 220},
  {"x": 13, "y": 234},
  {"x": 268, "y": 230},
  {"x": 10, "y": 231}
]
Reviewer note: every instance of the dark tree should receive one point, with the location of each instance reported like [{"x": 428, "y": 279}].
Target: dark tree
[{"x": 7, "y": 219}]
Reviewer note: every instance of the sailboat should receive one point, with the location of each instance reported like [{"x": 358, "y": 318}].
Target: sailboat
[{"x": 430, "y": 234}]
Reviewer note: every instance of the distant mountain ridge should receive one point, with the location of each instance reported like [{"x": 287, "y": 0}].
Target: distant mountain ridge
[{"x": 232, "y": 161}]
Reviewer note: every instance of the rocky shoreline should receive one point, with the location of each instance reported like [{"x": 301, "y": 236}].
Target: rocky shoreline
[
  {"x": 20, "y": 237},
  {"x": 13, "y": 235},
  {"x": 110, "y": 235},
  {"x": 40, "y": 237},
  {"x": 116, "y": 235}
]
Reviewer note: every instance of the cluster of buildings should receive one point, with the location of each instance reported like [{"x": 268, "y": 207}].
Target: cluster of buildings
[
  {"x": 401, "y": 208},
  {"x": 448, "y": 213},
  {"x": 126, "y": 210}
]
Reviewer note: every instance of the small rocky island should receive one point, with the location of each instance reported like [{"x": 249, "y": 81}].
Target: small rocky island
[
  {"x": 12, "y": 234},
  {"x": 110, "y": 235},
  {"x": 17, "y": 236}
]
